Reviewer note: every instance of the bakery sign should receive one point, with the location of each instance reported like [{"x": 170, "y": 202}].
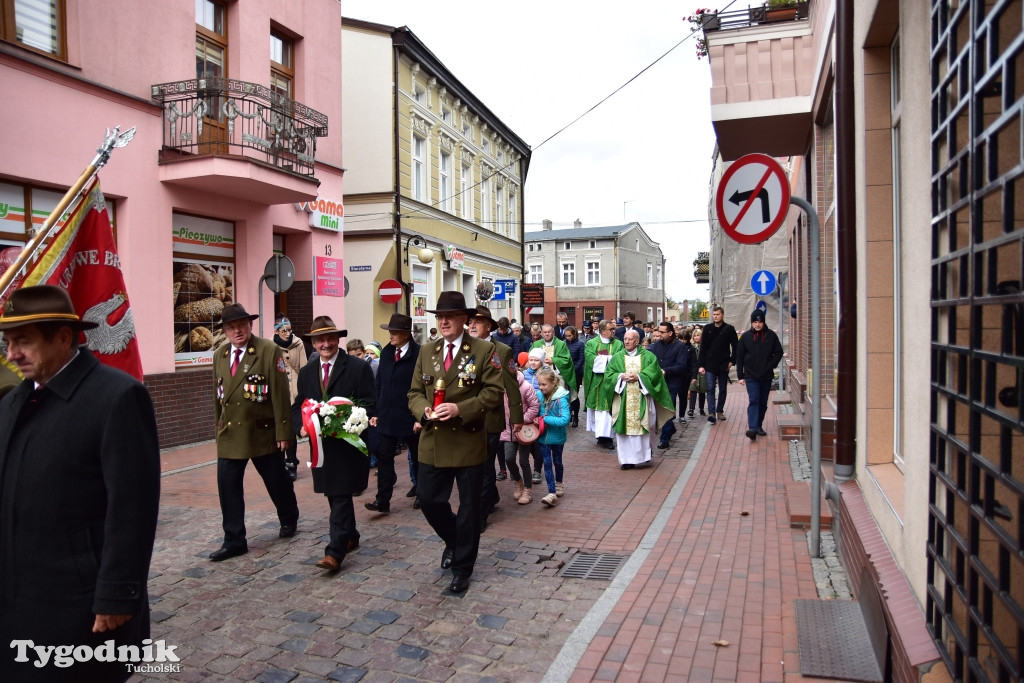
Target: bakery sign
[
  {"x": 324, "y": 214},
  {"x": 456, "y": 257}
]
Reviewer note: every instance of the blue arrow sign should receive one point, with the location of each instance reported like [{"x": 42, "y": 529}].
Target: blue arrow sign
[
  {"x": 763, "y": 282},
  {"x": 762, "y": 306},
  {"x": 499, "y": 291}
]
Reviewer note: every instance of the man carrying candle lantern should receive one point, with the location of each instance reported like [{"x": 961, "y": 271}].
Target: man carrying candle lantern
[{"x": 456, "y": 383}]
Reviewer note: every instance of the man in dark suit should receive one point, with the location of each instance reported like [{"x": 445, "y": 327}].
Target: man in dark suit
[
  {"x": 394, "y": 422},
  {"x": 716, "y": 357},
  {"x": 629, "y": 323},
  {"x": 677, "y": 365},
  {"x": 561, "y": 322},
  {"x": 481, "y": 325},
  {"x": 79, "y": 495},
  {"x": 252, "y": 413},
  {"x": 453, "y": 443},
  {"x": 343, "y": 470}
]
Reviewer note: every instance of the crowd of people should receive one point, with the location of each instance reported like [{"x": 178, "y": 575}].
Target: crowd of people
[{"x": 480, "y": 402}]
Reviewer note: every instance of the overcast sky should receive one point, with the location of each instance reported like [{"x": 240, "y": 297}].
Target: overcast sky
[{"x": 644, "y": 155}]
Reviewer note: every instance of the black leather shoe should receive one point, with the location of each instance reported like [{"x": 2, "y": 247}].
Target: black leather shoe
[
  {"x": 761, "y": 432},
  {"x": 459, "y": 584},
  {"x": 377, "y": 506},
  {"x": 287, "y": 531},
  {"x": 626, "y": 467},
  {"x": 412, "y": 492},
  {"x": 227, "y": 552},
  {"x": 446, "y": 558},
  {"x": 663, "y": 445},
  {"x": 416, "y": 503},
  {"x": 292, "y": 470}
]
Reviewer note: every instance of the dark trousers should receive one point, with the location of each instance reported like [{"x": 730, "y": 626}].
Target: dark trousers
[
  {"x": 461, "y": 531},
  {"x": 669, "y": 428},
  {"x": 489, "y": 497},
  {"x": 757, "y": 397},
  {"x": 291, "y": 453},
  {"x": 343, "y": 526},
  {"x": 387, "y": 477},
  {"x": 717, "y": 381},
  {"x": 523, "y": 449},
  {"x": 230, "y": 474},
  {"x": 693, "y": 400}
]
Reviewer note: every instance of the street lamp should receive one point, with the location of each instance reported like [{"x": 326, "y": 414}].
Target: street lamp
[{"x": 425, "y": 254}]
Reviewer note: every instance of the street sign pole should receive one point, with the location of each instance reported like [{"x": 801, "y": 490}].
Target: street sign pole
[{"x": 814, "y": 228}]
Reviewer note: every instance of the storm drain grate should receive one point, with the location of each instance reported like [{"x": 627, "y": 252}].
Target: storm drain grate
[{"x": 593, "y": 566}]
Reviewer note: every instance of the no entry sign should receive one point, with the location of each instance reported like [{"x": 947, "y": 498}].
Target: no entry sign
[
  {"x": 753, "y": 198},
  {"x": 390, "y": 291}
]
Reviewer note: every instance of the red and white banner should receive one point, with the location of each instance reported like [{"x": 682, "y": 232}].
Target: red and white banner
[{"x": 82, "y": 258}]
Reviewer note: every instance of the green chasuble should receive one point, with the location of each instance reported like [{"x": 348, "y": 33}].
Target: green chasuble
[
  {"x": 562, "y": 361},
  {"x": 593, "y": 382},
  {"x": 629, "y": 408}
]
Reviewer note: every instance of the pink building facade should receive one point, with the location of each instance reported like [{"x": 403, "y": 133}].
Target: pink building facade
[{"x": 237, "y": 153}]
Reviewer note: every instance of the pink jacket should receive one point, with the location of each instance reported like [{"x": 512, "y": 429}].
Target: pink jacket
[{"x": 531, "y": 406}]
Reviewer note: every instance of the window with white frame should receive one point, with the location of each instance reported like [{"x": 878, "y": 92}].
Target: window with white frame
[
  {"x": 513, "y": 229},
  {"x": 536, "y": 272},
  {"x": 446, "y": 182},
  {"x": 446, "y": 116},
  {"x": 466, "y": 182},
  {"x": 467, "y": 132},
  {"x": 650, "y": 314},
  {"x": 661, "y": 316},
  {"x": 419, "y": 181},
  {"x": 420, "y": 95},
  {"x": 657, "y": 282},
  {"x": 498, "y": 212},
  {"x": 485, "y": 203},
  {"x": 650, "y": 274},
  {"x": 569, "y": 273},
  {"x": 566, "y": 246},
  {"x": 594, "y": 272},
  {"x": 592, "y": 244},
  {"x": 485, "y": 145}
]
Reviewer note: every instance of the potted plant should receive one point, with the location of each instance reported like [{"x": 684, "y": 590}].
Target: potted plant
[
  {"x": 703, "y": 20},
  {"x": 781, "y": 10}
]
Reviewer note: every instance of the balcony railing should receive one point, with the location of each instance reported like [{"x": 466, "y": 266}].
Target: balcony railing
[
  {"x": 210, "y": 116},
  {"x": 754, "y": 16}
]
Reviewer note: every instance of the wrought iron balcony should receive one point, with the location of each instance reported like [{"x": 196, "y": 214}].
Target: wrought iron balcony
[
  {"x": 754, "y": 16},
  {"x": 224, "y": 116}
]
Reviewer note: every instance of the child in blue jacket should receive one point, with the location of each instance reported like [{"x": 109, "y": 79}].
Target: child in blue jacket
[{"x": 554, "y": 408}]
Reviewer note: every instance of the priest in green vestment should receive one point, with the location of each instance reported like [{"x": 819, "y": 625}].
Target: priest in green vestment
[
  {"x": 596, "y": 354},
  {"x": 557, "y": 357},
  {"x": 640, "y": 401}
]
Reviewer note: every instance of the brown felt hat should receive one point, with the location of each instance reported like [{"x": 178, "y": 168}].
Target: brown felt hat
[
  {"x": 398, "y": 323},
  {"x": 41, "y": 304},
  {"x": 485, "y": 313},
  {"x": 324, "y": 325},
  {"x": 452, "y": 302},
  {"x": 234, "y": 312}
]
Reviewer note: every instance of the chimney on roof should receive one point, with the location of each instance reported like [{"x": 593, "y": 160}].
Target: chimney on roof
[
  {"x": 546, "y": 224},
  {"x": 576, "y": 223}
]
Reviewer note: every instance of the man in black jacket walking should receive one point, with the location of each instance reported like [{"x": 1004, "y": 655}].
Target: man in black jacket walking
[
  {"x": 757, "y": 354},
  {"x": 394, "y": 422},
  {"x": 675, "y": 360},
  {"x": 717, "y": 355}
]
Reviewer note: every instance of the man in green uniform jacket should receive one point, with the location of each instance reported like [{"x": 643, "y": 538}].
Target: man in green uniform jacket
[
  {"x": 252, "y": 411},
  {"x": 596, "y": 355},
  {"x": 453, "y": 442}
]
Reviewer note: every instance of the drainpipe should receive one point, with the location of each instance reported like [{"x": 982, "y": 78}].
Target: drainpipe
[
  {"x": 397, "y": 219},
  {"x": 846, "y": 245}
]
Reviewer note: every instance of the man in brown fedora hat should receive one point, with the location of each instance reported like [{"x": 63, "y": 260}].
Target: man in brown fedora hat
[
  {"x": 252, "y": 413},
  {"x": 345, "y": 471},
  {"x": 481, "y": 325},
  {"x": 453, "y": 443},
  {"x": 394, "y": 422},
  {"x": 79, "y": 493}
]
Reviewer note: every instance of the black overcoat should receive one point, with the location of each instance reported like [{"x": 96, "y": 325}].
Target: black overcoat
[
  {"x": 79, "y": 499},
  {"x": 393, "y": 383},
  {"x": 345, "y": 471}
]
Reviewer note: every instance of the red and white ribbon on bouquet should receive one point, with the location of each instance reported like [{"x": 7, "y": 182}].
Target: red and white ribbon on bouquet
[{"x": 311, "y": 421}]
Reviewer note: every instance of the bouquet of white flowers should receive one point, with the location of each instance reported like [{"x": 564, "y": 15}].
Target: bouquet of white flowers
[{"x": 337, "y": 418}]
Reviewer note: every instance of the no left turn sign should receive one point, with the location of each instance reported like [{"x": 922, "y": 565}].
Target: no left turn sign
[{"x": 753, "y": 198}]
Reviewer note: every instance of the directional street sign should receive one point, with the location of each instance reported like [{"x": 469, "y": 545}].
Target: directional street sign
[
  {"x": 763, "y": 282},
  {"x": 499, "y": 290},
  {"x": 508, "y": 285},
  {"x": 761, "y": 306},
  {"x": 753, "y": 198}
]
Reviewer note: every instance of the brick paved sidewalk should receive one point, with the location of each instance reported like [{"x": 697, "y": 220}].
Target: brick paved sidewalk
[{"x": 709, "y": 574}]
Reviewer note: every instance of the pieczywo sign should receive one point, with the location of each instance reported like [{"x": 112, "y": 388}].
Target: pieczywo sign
[{"x": 753, "y": 198}]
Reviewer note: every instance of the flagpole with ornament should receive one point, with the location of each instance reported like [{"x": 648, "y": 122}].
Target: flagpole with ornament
[
  {"x": 113, "y": 139},
  {"x": 74, "y": 249}
]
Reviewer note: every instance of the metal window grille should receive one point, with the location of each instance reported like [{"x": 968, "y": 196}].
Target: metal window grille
[{"x": 975, "y": 602}]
